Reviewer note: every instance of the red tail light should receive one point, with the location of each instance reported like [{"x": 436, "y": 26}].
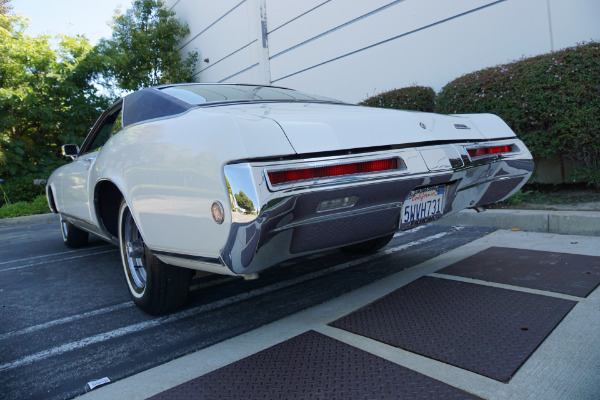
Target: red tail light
[
  {"x": 293, "y": 175},
  {"x": 488, "y": 151}
]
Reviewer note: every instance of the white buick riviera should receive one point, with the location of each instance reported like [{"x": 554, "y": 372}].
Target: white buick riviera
[{"x": 233, "y": 179}]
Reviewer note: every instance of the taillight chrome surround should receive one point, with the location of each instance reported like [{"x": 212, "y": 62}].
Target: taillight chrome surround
[
  {"x": 491, "y": 150},
  {"x": 327, "y": 171}
]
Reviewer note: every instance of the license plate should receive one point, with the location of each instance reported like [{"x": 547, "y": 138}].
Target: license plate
[{"x": 422, "y": 205}]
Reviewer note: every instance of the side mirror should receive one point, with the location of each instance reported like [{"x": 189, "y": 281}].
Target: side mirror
[{"x": 70, "y": 150}]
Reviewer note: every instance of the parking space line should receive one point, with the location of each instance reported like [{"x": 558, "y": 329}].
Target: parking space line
[
  {"x": 452, "y": 375},
  {"x": 102, "y": 337},
  {"x": 413, "y": 230},
  {"x": 66, "y": 320},
  {"x": 52, "y": 255},
  {"x": 101, "y": 311},
  {"x": 57, "y": 260},
  {"x": 509, "y": 287}
]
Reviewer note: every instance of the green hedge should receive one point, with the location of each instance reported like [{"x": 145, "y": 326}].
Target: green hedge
[
  {"x": 17, "y": 189},
  {"x": 37, "y": 206},
  {"x": 416, "y": 98},
  {"x": 551, "y": 101}
]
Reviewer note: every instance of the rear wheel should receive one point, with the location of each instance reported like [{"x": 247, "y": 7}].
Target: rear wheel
[
  {"x": 156, "y": 287},
  {"x": 369, "y": 246},
  {"x": 72, "y": 236}
]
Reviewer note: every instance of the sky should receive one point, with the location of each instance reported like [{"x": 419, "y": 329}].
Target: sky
[{"x": 70, "y": 17}]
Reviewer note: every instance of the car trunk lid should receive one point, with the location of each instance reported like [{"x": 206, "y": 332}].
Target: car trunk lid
[{"x": 322, "y": 127}]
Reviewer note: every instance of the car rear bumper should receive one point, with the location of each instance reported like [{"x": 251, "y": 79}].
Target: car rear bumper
[{"x": 273, "y": 223}]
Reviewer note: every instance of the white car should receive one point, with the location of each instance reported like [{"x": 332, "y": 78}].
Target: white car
[{"x": 234, "y": 179}]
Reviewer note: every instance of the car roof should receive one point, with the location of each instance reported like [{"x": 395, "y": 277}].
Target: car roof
[{"x": 156, "y": 102}]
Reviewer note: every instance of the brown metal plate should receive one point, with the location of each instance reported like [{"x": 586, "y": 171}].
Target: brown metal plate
[
  {"x": 571, "y": 274},
  {"x": 482, "y": 329},
  {"x": 313, "y": 366}
]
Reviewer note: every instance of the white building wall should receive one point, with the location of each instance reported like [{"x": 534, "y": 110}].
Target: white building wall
[{"x": 352, "y": 49}]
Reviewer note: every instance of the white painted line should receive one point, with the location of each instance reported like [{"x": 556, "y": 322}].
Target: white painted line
[
  {"x": 507, "y": 286},
  {"x": 66, "y": 320},
  {"x": 52, "y": 255},
  {"x": 57, "y": 260},
  {"x": 413, "y": 230},
  {"x": 102, "y": 337},
  {"x": 100, "y": 311},
  {"x": 458, "y": 377}
]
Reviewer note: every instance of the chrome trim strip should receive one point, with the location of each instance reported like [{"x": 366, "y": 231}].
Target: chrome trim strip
[
  {"x": 197, "y": 265},
  {"x": 515, "y": 151},
  {"x": 401, "y": 166},
  {"x": 494, "y": 179},
  {"x": 89, "y": 227},
  {"x": 406, "y": 162},
  {"x": 202, "y": 259},
  {"x": 461, "y": 126}
]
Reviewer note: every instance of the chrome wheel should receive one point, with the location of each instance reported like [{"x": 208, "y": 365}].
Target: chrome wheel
[
  {"x": 64, "y": 228},
  {"x": 155, "y": 287},
  {"x": 72, "y": 236},
  {"x": 132, "y": 253}
]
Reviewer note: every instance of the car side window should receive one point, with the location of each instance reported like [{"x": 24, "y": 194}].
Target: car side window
[{"x": 111, "y": 125}]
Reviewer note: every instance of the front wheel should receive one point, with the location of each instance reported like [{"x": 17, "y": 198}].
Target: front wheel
[
  {"x": 156, "y": 287},
  {"x": 369, "y": 246},
  {"x": 73, "y": 237}
]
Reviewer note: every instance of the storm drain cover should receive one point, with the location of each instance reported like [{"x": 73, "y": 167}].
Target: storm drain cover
[
  {"x": 486, "y": 330},
  {"x": 313, "y": 366},
  {"x": 572, "y": 274}
]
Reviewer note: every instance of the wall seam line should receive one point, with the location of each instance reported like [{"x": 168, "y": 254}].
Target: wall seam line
[
  {"x": 211, "y": 25},
  {"x": 391, "y": 39}
]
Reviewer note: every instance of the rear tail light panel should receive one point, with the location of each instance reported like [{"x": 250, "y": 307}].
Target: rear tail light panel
[
  {"x": 491, "y": 150},
  {"x": 326, "y": 172}
]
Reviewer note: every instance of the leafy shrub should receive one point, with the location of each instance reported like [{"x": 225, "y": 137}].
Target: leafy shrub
[
  {"x": 552, "y": 102},
  {"x": 48, "y": 97},
  {"x": 416, "y": 98},
  {"x": 19, "y": 209},
  {"x": 17, "y": 189}
]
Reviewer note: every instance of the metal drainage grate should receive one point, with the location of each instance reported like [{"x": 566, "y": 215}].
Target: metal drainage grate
[
  {"x": 313, "y": 366},
  {"x": 572, "y": 274},
  {"x": 482, "y": 329}
]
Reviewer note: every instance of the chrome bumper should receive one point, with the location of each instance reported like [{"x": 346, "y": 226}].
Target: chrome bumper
[{"x": 273, "y": 224}]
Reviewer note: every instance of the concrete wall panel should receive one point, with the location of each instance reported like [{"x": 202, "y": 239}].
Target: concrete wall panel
[
  {"x": 283, "y": 11},
  {"x": 432, "y": 56},
  {"x": 574, "y": 21},
  {"x": 352, "y": 49},
  {"x": 225, "y": 33}
]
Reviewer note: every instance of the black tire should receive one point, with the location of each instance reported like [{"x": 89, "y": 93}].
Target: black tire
[
  {"x": 73, "y": 237},
  {"x": 369, "y": 246},
  {"x": 155, "y": 287}
]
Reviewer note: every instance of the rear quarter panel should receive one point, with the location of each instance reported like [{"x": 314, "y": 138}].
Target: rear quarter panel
[{"x": 170, "y": 171}]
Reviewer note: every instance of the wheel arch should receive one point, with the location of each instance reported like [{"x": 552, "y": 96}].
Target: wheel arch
[
  {"x": 51, "y": 199},
  {"x": 107, "y": 201}
]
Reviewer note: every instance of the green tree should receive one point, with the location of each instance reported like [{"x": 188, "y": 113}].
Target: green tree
[
  {"x": 46, "y": 97},
  {"x": 244, "y": 202},
  {"x": 143, "y": 51},
  {"x": 5, "y": 7}
]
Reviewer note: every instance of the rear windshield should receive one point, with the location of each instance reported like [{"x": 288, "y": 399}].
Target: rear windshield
[{"x": 200, "y": 94}]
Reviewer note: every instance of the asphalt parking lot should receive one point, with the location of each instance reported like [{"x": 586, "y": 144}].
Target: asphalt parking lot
[{"x": 442, "y": 312}]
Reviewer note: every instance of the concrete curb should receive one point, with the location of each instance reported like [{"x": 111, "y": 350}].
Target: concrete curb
[
  {"x": 39, "y": 219},
  {"x": 562, "y": 222}
]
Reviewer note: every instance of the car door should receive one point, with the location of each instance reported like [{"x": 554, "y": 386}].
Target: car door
[{"x": 76, "y": 188}]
